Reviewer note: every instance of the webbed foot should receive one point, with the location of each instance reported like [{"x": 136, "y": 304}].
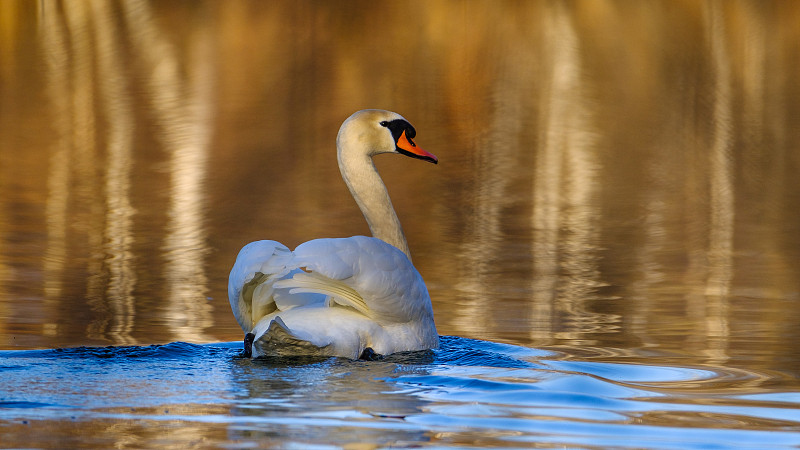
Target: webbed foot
[
  {"x": 248, "y": 344},
  {"x": 369, "y": 355}
]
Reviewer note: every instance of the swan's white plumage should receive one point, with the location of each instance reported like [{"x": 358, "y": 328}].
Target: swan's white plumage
[
  {"x": 358, "y": 292},
  {"x": 336, "y": 297}
]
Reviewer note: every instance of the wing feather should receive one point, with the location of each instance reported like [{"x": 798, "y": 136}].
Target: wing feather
[{"x": 316, "y": 283}]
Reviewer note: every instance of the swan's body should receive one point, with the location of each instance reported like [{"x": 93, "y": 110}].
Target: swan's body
[{"x": 346, "y": 297}]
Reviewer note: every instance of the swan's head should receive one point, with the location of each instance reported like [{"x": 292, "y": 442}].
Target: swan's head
[{"x": 373, "y": 131}]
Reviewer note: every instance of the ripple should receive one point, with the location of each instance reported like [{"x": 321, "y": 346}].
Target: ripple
[
  {"x": 24, "y": 404},
  {"x": 466, "y": 391},
  {"x": 636, "y": 373}
]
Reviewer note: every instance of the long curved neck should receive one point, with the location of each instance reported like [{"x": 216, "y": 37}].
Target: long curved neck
[{"x": 367, "y": 188}]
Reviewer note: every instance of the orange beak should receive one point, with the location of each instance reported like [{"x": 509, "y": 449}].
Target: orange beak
[{"x": 407, "y": 147}]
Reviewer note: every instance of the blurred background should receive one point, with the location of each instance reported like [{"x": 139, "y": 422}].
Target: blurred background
[{"x": 618, "y": 176}]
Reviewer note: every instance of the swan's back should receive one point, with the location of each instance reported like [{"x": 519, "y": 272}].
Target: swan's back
[{"x": 382, "y": 274}]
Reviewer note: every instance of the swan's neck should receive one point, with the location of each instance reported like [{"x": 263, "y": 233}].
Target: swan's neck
[{"x": 366, "y": 186}]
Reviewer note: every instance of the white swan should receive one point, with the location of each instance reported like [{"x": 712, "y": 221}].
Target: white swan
[{"x": 354, "y": 297}]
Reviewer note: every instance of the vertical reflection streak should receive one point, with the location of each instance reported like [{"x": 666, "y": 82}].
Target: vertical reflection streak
[
  {"x": 548, "y": 174},
  {"x": 183, "y": 114},
  {"x": 84, "y": 147},
  {"x": 546, "y": 211},
  {"x": 54, "y": 48},
  {"x": 483, "y": 250},
  {"x": 757, "y": 111},
  {"x": 753, "y": 79},
  {"x": 119, "y": 236},
  {"x": 484, "y": 255},
  {"x": 564, "y": 216},
  {"x": 722, "y": 191},
  {"x": 720, "y": 253}
]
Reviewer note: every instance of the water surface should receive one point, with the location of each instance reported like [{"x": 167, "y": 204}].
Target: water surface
[
  {"x": 468, "y": 393},
  {"x": 613, "y": 228}
]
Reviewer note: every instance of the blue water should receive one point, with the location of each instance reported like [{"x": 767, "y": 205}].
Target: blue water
[{"x": 468, "y": 393}]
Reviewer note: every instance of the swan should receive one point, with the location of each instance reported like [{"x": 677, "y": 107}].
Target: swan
[{"x": 358, "y": 297}]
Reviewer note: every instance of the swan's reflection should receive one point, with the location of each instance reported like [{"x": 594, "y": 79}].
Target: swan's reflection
[{"x": 324, "y": 400}]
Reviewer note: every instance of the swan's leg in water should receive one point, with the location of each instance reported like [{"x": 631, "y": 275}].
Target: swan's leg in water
[
  {"x": 369, "y": 355},
  {"x": 248, "y": 344}
]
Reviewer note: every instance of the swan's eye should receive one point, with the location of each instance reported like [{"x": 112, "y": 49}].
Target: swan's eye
[{"x": 384, "y": 124}]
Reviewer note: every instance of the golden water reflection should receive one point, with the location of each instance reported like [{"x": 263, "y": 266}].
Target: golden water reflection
[
  {"x": 611, "y": 174},
  {"x": 182, "y": 106}
]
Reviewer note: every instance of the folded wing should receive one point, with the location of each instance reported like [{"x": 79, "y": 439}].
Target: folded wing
[{"x": 329, "y": 296}]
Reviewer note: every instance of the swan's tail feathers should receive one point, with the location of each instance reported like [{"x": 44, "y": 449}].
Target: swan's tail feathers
[
  {"x": 258, "y": 294},
  {"x": 315, "y": 283},
  {"x": 250, "y": 289},
  {"x": 280, "y": 340}
]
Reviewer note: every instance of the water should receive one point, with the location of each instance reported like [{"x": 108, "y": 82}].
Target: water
[
  {"x": 610, "y": 239},
  {"x": 469, "y": 393}
]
